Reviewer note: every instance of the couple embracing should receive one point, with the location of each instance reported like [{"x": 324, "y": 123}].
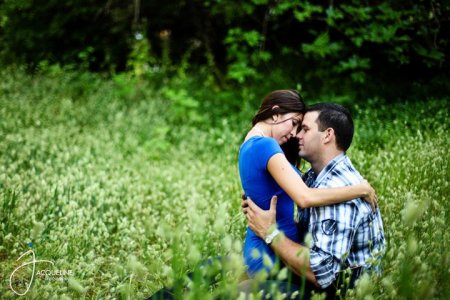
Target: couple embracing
[{"x": 331, "y": 202}]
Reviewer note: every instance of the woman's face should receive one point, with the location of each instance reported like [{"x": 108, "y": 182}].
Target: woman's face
[{"x": 285, "y": 126}]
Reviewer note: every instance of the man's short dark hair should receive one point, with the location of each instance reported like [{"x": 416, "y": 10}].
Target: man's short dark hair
[{"x": 337, "y": 117}]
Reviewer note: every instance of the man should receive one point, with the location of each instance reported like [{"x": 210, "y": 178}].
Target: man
[{"x": 348, "y": 235}]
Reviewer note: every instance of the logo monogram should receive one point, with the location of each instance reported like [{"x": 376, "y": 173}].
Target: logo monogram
[{"x": 32, "y": 262}]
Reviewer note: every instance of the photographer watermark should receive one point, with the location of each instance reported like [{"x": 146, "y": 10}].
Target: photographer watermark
[{"x": 49, "y": 273}]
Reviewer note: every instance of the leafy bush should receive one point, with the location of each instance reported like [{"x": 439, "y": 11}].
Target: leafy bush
[{"x": 379, "y": 47}]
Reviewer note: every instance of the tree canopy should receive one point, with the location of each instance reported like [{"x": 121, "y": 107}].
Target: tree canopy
[{"x": 240, "y": 41}]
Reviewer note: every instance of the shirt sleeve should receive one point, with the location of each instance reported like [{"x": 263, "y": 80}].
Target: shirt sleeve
[
  {"x": 265, "y": 149},
  {"x": 332, "y": 239}
]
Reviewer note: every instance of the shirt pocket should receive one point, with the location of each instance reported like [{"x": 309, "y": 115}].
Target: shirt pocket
[{"x": 329, "y": 231}]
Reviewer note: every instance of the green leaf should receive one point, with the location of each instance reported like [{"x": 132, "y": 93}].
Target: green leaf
[{"x": 322, "y": 47}]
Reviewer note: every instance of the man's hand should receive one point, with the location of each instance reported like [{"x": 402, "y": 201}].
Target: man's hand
[
  {"x": 243, "y": 202},
  {"x": 259, "y": 220}
]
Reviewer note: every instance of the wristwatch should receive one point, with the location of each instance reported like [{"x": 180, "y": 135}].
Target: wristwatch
[{"x": 269, "y": 238}]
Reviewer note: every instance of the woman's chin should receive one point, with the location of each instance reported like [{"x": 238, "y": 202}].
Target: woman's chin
[{"x": 282, "y": 140}]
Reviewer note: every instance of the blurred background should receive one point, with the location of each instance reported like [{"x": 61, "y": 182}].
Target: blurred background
[
  {"x": 350, "y": 50},
  {"x": 120, "y": 126}
]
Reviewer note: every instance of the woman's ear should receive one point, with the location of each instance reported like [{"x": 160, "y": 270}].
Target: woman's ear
[{"x": 275, "y": 116}]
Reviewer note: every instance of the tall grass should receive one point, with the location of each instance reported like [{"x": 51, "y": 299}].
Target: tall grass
[{"x": 103, "y": 180}]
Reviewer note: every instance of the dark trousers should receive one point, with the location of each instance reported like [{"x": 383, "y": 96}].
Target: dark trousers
[
  {"x": 177, "y": 291},
  {"x": 294, "y": 287}
]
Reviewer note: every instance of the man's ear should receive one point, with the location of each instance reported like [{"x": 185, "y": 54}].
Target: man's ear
[{"x": 329, "y": 135}]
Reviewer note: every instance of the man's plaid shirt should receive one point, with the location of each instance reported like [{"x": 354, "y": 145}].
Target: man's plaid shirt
[{"x": 344, "y": 235}]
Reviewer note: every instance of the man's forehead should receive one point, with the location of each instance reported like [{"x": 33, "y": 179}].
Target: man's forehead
[{"x": 310, "y": 117}]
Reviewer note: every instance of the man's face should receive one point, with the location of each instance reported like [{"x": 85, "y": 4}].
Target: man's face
[{"x": 310, "y": 138}]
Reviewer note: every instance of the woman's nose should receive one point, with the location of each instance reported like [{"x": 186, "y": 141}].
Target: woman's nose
[{"x": 293, "y": 131}]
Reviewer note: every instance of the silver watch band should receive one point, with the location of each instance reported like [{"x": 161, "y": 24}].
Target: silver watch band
[{"x": 270, "y": 237}]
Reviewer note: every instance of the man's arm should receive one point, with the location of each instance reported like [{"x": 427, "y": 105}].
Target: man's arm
[{"x": 294, "y": 255}]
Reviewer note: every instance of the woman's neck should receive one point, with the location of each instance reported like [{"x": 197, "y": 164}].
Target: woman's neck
[{"x": 260, "y": 129}]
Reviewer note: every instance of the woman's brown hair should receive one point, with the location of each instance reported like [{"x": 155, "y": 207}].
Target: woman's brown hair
[
  {"x": 279, "y": 102},
  {"x": 282, "y": 102}
]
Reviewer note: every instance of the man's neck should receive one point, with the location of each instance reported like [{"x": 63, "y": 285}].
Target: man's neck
[{"x": 322, "y": 161}]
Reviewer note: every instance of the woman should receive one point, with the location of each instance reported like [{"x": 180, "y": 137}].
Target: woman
[{"x": 264, "y": 173}]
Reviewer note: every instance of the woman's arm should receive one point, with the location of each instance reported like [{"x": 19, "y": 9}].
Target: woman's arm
[{"x": 293, "y": 185}]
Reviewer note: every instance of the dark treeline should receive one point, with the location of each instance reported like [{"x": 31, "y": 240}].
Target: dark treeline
[{"x": 389, "y": 47}]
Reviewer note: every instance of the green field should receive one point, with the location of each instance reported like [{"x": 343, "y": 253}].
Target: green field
[{"x": 114, "y": 186}]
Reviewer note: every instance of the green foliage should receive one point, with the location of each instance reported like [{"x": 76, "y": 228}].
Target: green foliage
[
  {"x": 79, "y": 33},
  {"x": 321, "y": 47},
  {"x": 339, "y": 39},
  {"x": 304, "y": 10},
  {"x": 141, "y": 59},
  {"x": 338, "y": 46},
  {"x": 245, "y": 54},
  {"x": 183, "y": 106}
]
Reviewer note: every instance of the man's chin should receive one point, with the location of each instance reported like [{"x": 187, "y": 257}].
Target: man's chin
[{"x": 302, "y": 155}]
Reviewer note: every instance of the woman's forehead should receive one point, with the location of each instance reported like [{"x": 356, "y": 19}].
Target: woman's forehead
[{"x": 294, "y": 115}]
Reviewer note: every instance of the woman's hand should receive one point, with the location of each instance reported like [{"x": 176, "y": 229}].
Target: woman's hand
[{"x": 370, "y": 195}]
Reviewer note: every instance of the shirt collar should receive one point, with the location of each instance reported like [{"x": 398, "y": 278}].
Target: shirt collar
[{"x": 326, "y": 170}]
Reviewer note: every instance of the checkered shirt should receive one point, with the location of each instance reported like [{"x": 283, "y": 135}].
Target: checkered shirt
[{"x": 344, "y": 235}]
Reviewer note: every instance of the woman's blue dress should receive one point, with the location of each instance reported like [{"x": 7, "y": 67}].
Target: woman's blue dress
[{"x": 258, "y": 184}]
